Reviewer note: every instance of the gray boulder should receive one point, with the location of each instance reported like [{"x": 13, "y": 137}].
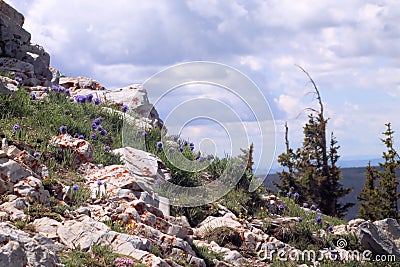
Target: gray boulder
[{"x": 380, "y": 237}]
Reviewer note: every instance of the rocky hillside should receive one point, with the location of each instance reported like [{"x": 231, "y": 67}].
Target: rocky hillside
[{"x": 74, "y": 194}]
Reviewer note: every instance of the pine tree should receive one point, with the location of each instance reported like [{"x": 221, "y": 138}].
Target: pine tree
[
  {"x": 312, "y": 168},
  {"x": 250, "y": 162},
  {"x": 388, "y": 180},
  {"x": 378, "y": 198},
  {"x": 369, "y": 196},
  {"x": 287, "y": 160},
  {"x": 247, "y": 158},
  {"x": 335, "y": 189}
]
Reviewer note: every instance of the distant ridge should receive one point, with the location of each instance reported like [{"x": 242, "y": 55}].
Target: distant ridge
[{"x": 348, "y": 163}]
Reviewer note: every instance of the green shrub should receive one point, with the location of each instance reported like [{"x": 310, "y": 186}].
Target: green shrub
[
  {"x": 224, "y": 236},
  {"x": 98, "y": 256},
  {"x": 207, "y": 255}
]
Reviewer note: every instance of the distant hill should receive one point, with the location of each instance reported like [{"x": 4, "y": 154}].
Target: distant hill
[
  {"x": 347, "y": 163},
  {"x": 352, "y": 177}
]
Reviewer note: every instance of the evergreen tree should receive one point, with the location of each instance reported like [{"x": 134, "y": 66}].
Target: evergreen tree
[
  {"x": 247, "y": 158},
  {"x": 250, "y": 163},
  {"x": 378, "y": 198},
  {"x": 312, "y": 169},
  {"x": 287, "y": 160},
  {"x": 369, "y": 197},
  {"x": 335, "y": 189},
  {"x": 388, "y": 180}
]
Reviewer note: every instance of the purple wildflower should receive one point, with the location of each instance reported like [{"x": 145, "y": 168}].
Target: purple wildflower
[
  {"x": 125, "y": 108},
  {"x": 158, "y": 182},
  {"x": 288, "y": 194},
  {"x": 197, "y": 157},
  {"x": 97, "y": 121},
  {"x": 81, "y": 99},
  {"x": 281, "y": 207},
  {"x": 96, "y": 101},
  {"x": 171, "y": 149},
  {"x": 33, "y": 96},
  {"x": 81, "y": 136},
  {"x": 313, "y": 206},
  {"x": 94, "y": 126},
  {"x": 75, "y": 187},
  {"x": 18, "y": 79},
  {"x": 191, "y": 144},
  {"x": 16, "y": 127},
  {"x": 107, "y": 148},
  {"x": 100, "y": 128},
  {"x": 67, "y": 92},
  {"x": 330, "y": 228},
  {"x": 145, "y": 133},
  {"x": 89, "y": 97},
  {"x": 185, "y": 143},
  {"x": 36, "y": 154},
  {"x": 159, "y": 144},
  {"x": 292, "y": 188},
  {"x": 94, "y": 136},
  {"x": 300, "y": 219},
  {"x": 296, "y": 195},
  {"x": 180, "y": 149},
  {"x": 103, "y": 132},
  {"x": 242, "y": 166},
  {"x": 318, "y": 219},
  {"x": 192, "y": 147},
  {"x": 305, "y": 205},
  {"x": 63, "y": 129},
  {"x": 71, "y": 99},
  {"x": 99, "y": 183},
  {"x": 44, "y": 90},
  {"x": 318, "y": 211}
]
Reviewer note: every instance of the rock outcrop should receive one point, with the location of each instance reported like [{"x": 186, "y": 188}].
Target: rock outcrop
[
  {"x": 18, "y": 56},
  {"x": 19, "y": 249}
]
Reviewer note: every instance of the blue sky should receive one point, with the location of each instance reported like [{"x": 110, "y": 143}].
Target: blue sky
[{"x": 350, "y": 48}]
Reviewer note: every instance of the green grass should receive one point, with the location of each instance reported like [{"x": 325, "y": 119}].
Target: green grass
[
  {"x": 99, "y": 256},
  {"x": 40, "y": 120},
  {"x": 294, "y": 210},
  {"x": 207, "y": 255}
]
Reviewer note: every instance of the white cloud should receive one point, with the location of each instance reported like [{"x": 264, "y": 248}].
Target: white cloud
[{"x": 349, "y": 47}]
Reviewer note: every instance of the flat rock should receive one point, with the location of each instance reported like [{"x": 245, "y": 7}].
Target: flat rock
[{"x": 47, "y": 227}]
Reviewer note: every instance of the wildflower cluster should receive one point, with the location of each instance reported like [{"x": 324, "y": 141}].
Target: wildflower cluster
[
  {"x": 242, "y": 217},
  {"x": 59, "y": 89},
  {"x": 293, "y": 194},
  {"x": 96, "y": 125},
  {"x": 124, "y": 262}
]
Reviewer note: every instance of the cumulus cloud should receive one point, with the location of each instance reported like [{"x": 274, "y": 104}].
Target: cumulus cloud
[{"x": 349, "y": 47}]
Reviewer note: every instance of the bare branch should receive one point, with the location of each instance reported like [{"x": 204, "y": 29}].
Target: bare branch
[{"x": 315, "y": 88}]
